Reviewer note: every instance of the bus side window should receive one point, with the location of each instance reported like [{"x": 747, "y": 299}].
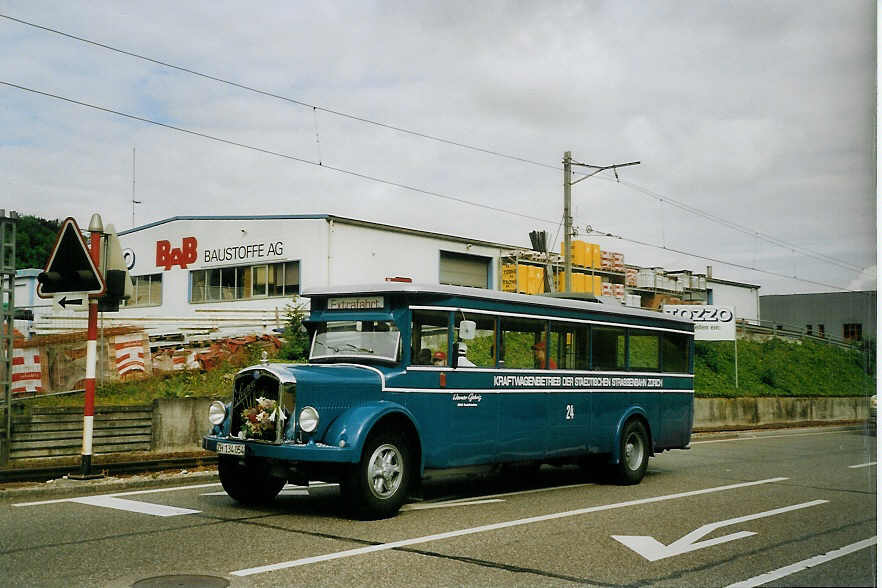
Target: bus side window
[
  {"x": 643, "y": 347},
  {"x": 480, "y": 351},
  {"x": 569, "y": 346},
  {"x": 428, "y": 338},
  {"x": 607, "y": 348},
  {"x": 521, "y": 342}
]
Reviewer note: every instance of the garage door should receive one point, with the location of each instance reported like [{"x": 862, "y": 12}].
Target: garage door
[{"x": 458, "y": 269}]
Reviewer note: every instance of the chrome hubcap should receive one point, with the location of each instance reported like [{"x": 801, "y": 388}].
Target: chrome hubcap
[
  {"x": 385, "y": 470},
  {"x": 633, "y": 454}
]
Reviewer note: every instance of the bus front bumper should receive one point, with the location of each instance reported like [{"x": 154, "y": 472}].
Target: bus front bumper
[{"x": 286, "y": 451}]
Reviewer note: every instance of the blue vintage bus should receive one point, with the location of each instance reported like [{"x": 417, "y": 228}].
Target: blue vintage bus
[{"x": 405, "y": 380}]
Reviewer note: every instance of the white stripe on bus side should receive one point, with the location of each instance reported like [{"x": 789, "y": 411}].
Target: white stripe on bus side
[
  {"x": 534, "y": 390},
  {"x": 498, "y": 390},
  {"x": 549, "y": 318},
  {"x": 431, "y": 368}
]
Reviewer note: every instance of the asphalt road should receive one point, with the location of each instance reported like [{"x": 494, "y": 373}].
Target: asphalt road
[{"x": 795, "y": 508}]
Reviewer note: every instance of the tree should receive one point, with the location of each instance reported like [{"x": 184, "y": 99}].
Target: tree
[
  {"x": 34, "y": 240},
  {"x": 296, "y": 345}
]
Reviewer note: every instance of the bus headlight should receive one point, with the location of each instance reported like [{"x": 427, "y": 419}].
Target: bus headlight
[
  {"x": 309, "y": 419},
  {"x": 217, "y": 412}
]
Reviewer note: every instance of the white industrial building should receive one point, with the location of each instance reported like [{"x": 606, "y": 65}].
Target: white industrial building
[
  {"x": 743, "y": 298},
  {"x": 198, "y": 275}
]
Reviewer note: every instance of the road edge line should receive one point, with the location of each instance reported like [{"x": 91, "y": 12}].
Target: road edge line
[{"x": 804, "y": 564}]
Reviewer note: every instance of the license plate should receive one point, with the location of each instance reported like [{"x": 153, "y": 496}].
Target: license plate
[{"x": 231, "y": 448}]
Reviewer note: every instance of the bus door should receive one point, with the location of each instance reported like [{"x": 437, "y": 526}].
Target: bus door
[{"x": 472, "y": 407}]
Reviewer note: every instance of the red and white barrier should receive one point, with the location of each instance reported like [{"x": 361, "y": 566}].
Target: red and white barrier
[
  {"x": 26, "y": 373},
  {"x": 129, "y": 352}
]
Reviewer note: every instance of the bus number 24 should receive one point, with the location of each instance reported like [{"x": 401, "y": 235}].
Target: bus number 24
[{"x": 571, "y": 412}]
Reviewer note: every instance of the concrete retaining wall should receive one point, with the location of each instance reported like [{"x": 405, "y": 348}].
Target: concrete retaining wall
[
  {"x": 714, "y": 413},
  {"x": 179, "y": 424}
]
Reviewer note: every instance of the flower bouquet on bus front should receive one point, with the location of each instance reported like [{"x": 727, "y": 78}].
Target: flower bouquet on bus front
[{"x": 259, "y": 421}]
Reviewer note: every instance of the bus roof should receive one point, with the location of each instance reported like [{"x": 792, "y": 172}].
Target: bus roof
[{"x": 556, "y": 301}]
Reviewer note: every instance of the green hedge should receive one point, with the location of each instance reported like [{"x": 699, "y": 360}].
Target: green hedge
[
  {"x": 773, "y": 368},
  {"x": 780, "y": 368}
]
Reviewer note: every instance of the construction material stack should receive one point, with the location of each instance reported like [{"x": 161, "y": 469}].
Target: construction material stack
[{"x": 523, "y": 279}]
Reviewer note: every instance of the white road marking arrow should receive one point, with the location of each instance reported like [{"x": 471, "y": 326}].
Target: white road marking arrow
[{"x": 654, "y": 550}]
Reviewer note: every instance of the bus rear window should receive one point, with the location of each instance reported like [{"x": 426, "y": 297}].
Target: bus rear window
[{"x": 675, "y": 353}]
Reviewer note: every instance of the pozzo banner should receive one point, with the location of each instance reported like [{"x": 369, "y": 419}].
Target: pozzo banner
[{"x": 712, "y": 323}]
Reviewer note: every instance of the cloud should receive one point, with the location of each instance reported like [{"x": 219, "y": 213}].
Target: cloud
[
  {"x": 763, "y": 117},
  {"x": 867, "y": 280}
]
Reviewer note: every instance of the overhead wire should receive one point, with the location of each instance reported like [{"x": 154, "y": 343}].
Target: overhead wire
[
  {"x": 646, "y": 191},
  {"x": 279, "y": 154},
  {"x": 397, "y": 184},
  {"x": 601, "y": 233},
  {"x": 242, "y": 86},
  {"x": 738, "y": 227},
  {"x": 662, "y": 199}
]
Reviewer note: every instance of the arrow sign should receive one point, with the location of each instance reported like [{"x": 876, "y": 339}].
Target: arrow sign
[
  {"x": 654, "y": 550},
  {"x": 72, "y": 301}
]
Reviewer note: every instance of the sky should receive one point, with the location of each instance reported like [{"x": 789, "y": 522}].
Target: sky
[{"x": 754, "y": 122}]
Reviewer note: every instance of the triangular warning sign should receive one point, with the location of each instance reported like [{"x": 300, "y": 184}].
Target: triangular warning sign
[{"x": 70, "y": 268}]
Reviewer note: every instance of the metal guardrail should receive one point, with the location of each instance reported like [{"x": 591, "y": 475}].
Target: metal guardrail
[
  {"x": 36, "y": 396},
  {"x": 776, "y": 329}
]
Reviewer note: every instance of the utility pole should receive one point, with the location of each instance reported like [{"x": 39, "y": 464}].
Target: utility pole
[
  {"x": 568, "y": 221},
  {"x": 568, "y": 218}
]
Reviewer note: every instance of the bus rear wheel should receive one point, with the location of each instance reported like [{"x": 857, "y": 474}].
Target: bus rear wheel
[
  {"x": 376, "y": 487},
  {"x": 248, "y": 481},
  {"x": 633, "y": 453}
]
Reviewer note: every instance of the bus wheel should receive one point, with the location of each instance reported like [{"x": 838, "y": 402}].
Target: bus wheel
[
  {"x": 249, "y": 482},
  {"x": 633, "y": 453},
  {"x": 377, "y": 486}
]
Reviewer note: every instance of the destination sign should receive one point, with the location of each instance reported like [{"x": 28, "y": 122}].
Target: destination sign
[{"x": 356, "y": 303}]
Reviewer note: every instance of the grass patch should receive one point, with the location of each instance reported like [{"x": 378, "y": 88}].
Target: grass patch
[
  {"x": 771, "y": 368},
  {"x": 216, "y": 384},
  {"x": 779, "y": 368}
]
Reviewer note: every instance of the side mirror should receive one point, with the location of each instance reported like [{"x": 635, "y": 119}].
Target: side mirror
[{"x": 467, "y": 330}]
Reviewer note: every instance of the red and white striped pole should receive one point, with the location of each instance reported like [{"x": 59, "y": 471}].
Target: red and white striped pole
[{"x": 96, "y": 228}]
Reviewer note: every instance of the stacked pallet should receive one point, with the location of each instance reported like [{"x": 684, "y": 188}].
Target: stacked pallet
[{"x": 523, "y": 279}]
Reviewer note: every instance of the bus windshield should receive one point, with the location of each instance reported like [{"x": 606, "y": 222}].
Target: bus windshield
[{"x": 356, "y": 339}]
